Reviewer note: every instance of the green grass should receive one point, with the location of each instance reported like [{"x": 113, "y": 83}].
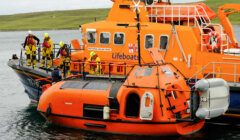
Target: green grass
[
  {"x": 51, "y": 20},
  {"x": 71, "y": 19},
  {"x": 214, "y": 4}
]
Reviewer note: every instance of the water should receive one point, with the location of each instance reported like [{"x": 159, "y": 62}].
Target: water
[{"x": 20, "y": 120}]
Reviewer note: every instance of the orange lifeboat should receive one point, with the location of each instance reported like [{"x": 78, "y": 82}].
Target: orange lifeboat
[
  {"x": 129, "y": 98},
  {"x": 152, "y": 100}
]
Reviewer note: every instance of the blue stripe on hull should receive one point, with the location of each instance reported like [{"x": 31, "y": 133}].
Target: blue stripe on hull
[
  {"x": 235, "y": 101},
  {"x": 33, "y": 93}
]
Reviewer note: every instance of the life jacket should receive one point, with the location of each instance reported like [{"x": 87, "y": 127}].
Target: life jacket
[
  {"x": 46, "y": 43},
  {"x": 63, "y": 52},
  {"x": 30, "y": 40}
]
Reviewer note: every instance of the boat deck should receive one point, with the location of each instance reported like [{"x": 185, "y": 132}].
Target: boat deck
[{"x": 21, "y": 66}]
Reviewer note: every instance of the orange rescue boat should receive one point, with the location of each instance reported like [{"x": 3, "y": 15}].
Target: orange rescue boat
[{"x": 151, "y": 99}]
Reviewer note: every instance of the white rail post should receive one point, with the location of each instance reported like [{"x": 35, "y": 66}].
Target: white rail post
[
  {"x": 188, "y": 15},
  {"x": 164, "y": 14},
  {"x": 172, "y": 14},
  {"x": 156, "y": 15},
  {"x": 179, "y": 14}
]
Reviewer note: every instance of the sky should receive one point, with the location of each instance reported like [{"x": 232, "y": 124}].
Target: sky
[{"x": 8, "y": 7}]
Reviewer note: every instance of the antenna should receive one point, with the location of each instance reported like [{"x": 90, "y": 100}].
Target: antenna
[
  {"x": 136, "y": 6},
  {"x": 137, "y": 10}
]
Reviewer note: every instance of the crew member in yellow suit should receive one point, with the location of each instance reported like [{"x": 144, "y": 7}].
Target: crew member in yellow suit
[
  {"x": 30, "y": 47},
  {"x": 64, "y": 53},
  {"x": 47, "y": 48},
  {"x": 95, "y": 63}
]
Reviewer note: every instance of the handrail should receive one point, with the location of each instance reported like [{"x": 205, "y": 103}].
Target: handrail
[
  {"x": 56, "y": 47},
  {"x": 212, "y": 66},
  {"x": 222, "y": 35},
  {"x": 109, "y": 69},
  {"x": 176, "y": 11}
]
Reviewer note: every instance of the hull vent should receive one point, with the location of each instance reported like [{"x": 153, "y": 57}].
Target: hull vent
[{"x": 93, "y": 111}]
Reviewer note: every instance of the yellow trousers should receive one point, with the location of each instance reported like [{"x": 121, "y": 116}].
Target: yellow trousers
[
  {"x": 46, "y": 53},
  {"x": 31, "y": 55}
]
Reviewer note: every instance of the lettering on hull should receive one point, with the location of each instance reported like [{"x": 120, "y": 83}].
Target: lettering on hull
[
  {"x": 123, "y": 56},
  {"x": 100, "y": 49}
]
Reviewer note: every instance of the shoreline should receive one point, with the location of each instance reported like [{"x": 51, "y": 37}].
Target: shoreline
[
  {"x": 71, "y": 19},
  {"x": 62, "y": 29}
]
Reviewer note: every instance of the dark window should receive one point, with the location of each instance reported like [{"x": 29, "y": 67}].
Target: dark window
[
  {"x": 91, "y": 37},
  {"x": 132, "y": 105},
  {"x": 163, "y": 42},
  {"x": 118, "y": 38},
  {"x": 104, "y": 38},
  {"x": 93, "y": 111},
  {"x": 149, "y": 41}
]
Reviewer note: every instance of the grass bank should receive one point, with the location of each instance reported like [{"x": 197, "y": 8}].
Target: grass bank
[
  {"x": 214, "y": 4},
  {"x": 51, "y": 20},
  {"x": 71, "y": 19}
]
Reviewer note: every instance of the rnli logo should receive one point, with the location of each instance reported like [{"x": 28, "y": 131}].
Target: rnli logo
[{"x": 132, "y": 48}]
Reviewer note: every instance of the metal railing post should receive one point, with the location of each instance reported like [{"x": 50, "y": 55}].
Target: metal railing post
[
  {"x": 109, "y": 72},
  {"x": 125, "y": 69},
  {"x": 84, "y": 74},
  {"x": 39, "y": 53},
  {"x": 64, "y": 70}
]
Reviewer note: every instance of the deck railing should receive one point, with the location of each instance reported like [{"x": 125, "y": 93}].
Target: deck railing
[
  {"x": 178, "y": 13},
  {"x": 224, "y": 37},
  {"x": 55, "y": 50},
  {"x": 226, "y": 70},
  {"x": 110, "y": 70},
  {"x": 192, "y": 15}
]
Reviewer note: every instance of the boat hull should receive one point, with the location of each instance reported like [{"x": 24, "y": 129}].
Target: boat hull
[
  {"x": 32, "y": 79},
  {"x": 234, "y": 107},
  {"x": 125, "y": 127}
]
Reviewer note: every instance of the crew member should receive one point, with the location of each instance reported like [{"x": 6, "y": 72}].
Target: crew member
[
  {"x": 95, "y": 63},
  {"x": 47, "y": 48},
  {"x": 65, "y": 56},
  {"x": 30, "y": 46}
]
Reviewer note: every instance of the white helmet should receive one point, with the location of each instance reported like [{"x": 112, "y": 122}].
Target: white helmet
[{"x": 30, "y": 32}]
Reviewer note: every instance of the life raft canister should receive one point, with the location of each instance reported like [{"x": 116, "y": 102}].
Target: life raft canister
[
  {"x": 214, "y": 41},
  {"x": 214, "y": 98}
]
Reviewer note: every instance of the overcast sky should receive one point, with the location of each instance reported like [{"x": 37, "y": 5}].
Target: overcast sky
[
  {"x": 24, "y": 6},
  {"x": 8, "y": 7}
]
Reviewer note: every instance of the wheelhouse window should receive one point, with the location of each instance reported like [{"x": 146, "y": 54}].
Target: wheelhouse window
[
  {"x": 91, "y": 37},
  {"x": 163, "y": 42},
  {"x": 119, "y": 38},
  {"x": 104, "y": 38},
  {"x": 149, "y": 41}
]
